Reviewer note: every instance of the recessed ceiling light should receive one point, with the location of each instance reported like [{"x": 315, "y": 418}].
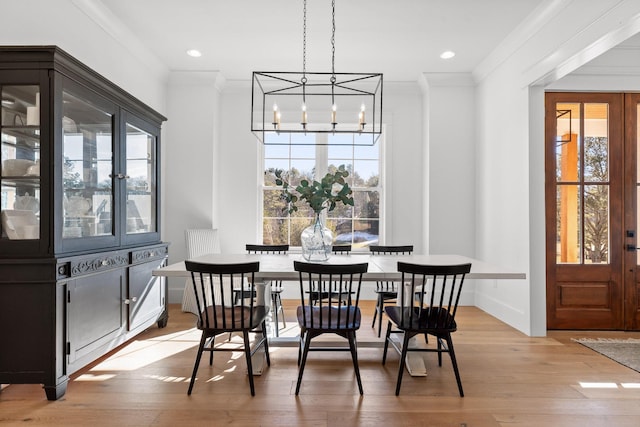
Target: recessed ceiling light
[
  {"x": 447, "y": 54},
  {"x": 194, "y": 52}
]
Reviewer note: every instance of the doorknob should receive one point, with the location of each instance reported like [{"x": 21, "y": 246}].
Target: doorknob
[{"x": 631, "y": 248}]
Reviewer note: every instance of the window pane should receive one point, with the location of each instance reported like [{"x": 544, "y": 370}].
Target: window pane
[
  {"x": 366, "y": 173},
  {"x": 301, "y": 169},
  {"x": 273, "y": 204},
  {"x": 340, "y": 151},
  {"x": 303, "y": 151},
  {"x": 596, "y": 224},
  {"x": 276, "y": 151},
  {"x": 275, "y": 231},
  {"x": 568, "y": 224},
  {"x": 367, "y": 204},
  {"x": 596, "y": 142},
  {"x": 366, "y": 152},
  {"x": 276, "y": 138},
  {"x": 567, "y": 147}
]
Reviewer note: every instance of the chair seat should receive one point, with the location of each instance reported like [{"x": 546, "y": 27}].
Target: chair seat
[
  {"x": 329, "y": 318},
  {"x": 387, "y": 295},
  {"x": 233, "y": 318},
  {"x": 435, "y": 320}
]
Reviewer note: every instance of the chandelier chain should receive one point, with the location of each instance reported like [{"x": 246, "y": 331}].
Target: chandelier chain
[
  {"x": 304, "y": 40},
  {"x": 333, "y": 37}
]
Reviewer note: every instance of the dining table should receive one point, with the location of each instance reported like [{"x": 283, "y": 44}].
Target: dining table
[{"x": 380, "y": 268}]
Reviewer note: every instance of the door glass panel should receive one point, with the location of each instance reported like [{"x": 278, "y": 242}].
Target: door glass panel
[
  {"x": 87, "y": 169},
  {"x": 596, "y": 142},
  {"x": 20, "y": 160},
  {"x": 141, "y": 181},
  {"x": 596, "y": 224},
  {"x": 568, "y": 224},
  {"x": 582, "y": 174},
  {"x": 567, "y": 147}
]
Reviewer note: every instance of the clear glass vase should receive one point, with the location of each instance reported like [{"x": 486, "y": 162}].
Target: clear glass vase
[{"x": 317, "y": 241}]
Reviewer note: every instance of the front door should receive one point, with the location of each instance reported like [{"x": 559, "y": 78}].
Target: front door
[{"x": 591, "y": 217}]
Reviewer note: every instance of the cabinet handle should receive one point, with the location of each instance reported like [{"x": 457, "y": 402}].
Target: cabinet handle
[
  {"x": 129, "y": 301},
  {"x": 121, "y": 176}
]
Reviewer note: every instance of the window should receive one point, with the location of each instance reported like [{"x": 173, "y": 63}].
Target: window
[{"x": 358, "y": 225}]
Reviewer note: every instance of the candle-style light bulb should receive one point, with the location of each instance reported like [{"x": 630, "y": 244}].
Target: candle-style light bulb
[
  {"x": 304, "y": 114},
  {"x": 275, "y": 114},
  {"x": 361, "y": 118},
  {"x": 333, "y": 114}
]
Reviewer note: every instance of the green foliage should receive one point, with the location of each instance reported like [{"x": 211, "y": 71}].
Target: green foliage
[{"x": 326, "y": 193}]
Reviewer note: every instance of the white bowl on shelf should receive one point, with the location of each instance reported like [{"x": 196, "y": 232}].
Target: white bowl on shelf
[
  {"x": 20, "y": 224},
  {"x": 16, "y": 167}
]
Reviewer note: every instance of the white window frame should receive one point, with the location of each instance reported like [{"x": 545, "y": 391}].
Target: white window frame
[{"x": 322, "y": 160}]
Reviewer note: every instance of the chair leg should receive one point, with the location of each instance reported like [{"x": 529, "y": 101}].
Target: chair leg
[
  {"x": 203, "y": 341},
  {"x": 354, "y": 358},
  {"x": 305, "y": 352},
  {"x": 375, "y": 312},
  {"x": 247, "y": 353},
  {"x": 439, "y": 341},
  {"x": 380, "y": 309},
  {"x": 274, "y": 301},
  {"x": 213, "y": 341},
  {"x": 386, "y": 343},
  {"x": 266, "y": 342},
  {"x": 452, "y": 354},
  {"x": 403, "y": 356},
  {"x": 284, "y": 320},
  {"x": 300, "y": 346}
]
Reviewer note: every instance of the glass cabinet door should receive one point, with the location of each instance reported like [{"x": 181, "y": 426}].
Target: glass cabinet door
[
  {"x": 87, "y": 169},
  {"x": 20, "y": 162},
  {"x": 141, "y": 183}
]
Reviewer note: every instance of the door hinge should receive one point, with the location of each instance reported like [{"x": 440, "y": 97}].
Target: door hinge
[
  {"x": 68, "y": 296},
  {"x": 68, "y": 347}
]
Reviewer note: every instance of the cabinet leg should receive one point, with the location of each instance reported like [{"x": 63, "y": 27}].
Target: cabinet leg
[
  {"x": 163, "y": 319},
  {"x": 55, "y": 392}
]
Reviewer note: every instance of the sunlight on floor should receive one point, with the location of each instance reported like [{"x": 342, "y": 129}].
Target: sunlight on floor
[
  {"x": 598, "y": 385},
  {"x": 609, "y": 385},
  {"x": 140, "y": 353}
]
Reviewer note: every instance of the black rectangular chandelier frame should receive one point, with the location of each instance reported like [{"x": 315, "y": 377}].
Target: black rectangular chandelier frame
[{"x": 356, "y": 99}]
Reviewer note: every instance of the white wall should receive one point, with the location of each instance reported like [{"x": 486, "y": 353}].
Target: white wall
[
  {"x": 190, "y": 175},
  {"x": 451, "y": 142}
]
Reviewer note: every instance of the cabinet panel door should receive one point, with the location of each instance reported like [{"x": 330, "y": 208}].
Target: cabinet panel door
[
  {"x": 146, "y": 294},
  {"x": 139, "y": 190},
  {"x": 95, "y": 314},
  {"x": 88, "y": 205}
]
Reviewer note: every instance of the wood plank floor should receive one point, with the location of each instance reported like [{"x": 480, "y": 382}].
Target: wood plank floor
[{"x": 509, "y": 380}]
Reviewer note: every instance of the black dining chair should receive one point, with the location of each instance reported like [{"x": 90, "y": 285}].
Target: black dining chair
[
  {"x": 213, "y": 286},
  {"x": 337, "y": 313},
  {"x": 432, "y": 313},
  {"x": 275, "y": 286},
  {"x": 386, "y": 290}
]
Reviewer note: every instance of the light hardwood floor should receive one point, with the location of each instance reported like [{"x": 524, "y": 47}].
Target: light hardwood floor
[{"x": 509, "y": 380}]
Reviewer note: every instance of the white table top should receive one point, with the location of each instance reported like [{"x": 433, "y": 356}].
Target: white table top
[{"x": 381, "y": 267}]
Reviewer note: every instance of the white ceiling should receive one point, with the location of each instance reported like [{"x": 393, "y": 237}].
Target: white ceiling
[{"x": 400, "y": 38}]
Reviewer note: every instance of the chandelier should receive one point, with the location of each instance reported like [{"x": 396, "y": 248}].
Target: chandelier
[{"x": 287, "y": 107}]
